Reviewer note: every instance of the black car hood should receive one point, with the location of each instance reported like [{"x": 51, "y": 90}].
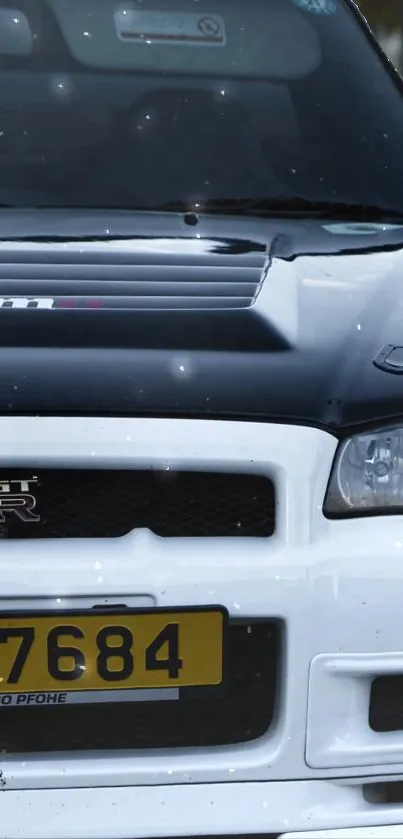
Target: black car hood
[{"x": 269, "y": 320}]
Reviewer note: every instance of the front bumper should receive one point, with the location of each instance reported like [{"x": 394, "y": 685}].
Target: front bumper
[{"x": 336, "y": 586}]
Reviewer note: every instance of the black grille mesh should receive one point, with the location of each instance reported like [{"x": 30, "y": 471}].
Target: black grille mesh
[
  {"x": 94, "y": 503},
  {"x": 241, "y": 712}
]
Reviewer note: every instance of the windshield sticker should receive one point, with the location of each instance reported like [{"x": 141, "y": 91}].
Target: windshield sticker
[
  {"x": 170, "y": 28},
  {"x": 318, "y": 7}
]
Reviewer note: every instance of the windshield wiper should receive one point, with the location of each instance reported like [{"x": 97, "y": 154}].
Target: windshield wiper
[{"x": 293, "y": 206}]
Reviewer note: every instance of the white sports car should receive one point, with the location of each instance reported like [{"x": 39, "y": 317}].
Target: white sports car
[{"x": 201, "y": 421}]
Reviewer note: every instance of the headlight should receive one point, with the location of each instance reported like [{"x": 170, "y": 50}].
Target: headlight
[{"x": 367, "y": 474}]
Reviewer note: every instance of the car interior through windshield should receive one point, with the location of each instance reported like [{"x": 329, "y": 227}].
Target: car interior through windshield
[{"x": 144, "y": 104}]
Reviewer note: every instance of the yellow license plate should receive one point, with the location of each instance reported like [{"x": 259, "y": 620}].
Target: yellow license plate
[{"x": 103, "y": 651}]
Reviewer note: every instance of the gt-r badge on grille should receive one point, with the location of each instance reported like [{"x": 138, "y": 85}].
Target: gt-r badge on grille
[{"x": 16, "y": 499}]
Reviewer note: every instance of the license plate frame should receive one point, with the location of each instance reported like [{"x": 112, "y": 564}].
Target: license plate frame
[{"x": 214, "y": 618}]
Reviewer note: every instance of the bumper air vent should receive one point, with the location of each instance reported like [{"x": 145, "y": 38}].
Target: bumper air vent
[{"x": 386, "y": 704}]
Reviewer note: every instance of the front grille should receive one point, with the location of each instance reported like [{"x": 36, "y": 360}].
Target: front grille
[
  {"x": 80, "y": 503},
  {"x": 241, "y": 712},
  {"x": 386, "y": 704}
]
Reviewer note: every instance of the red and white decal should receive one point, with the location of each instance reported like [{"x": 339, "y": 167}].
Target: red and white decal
[{"x": 87, "y": 302}]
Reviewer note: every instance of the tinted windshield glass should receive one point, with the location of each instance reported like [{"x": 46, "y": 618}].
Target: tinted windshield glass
[{"x": 133, "y": 104}]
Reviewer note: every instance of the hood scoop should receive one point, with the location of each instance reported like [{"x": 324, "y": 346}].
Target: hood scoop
[
  {"x": 129, "y": 287},
  {"x": 140, "y": 294},
  {"x": 158, "y": 274}
]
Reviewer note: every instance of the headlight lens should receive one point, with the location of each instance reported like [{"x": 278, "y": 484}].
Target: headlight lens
[{"x": 367, "y": 474}]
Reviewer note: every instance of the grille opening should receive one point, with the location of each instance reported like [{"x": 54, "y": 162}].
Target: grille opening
[
  {"x": 240, "y": 713},
  {"x": 110, "y": 503},
  {"x": 390, "y": 792},
  {"x": 386, "y": 704}
]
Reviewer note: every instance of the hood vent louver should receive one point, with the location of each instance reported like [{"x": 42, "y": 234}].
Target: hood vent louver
[{"x": 132, "y": 286}]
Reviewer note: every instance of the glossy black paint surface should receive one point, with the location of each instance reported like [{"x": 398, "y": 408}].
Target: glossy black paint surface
[{"x": 326, "y": 301}]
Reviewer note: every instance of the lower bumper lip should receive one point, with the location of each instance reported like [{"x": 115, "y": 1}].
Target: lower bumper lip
[{"x": 290, "y": 810}]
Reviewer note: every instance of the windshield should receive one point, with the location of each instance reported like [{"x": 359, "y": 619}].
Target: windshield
[{"x": 151, "y": 102}]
